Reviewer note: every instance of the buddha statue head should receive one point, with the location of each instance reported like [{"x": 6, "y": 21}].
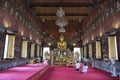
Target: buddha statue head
[{"x": 61, "y": 38}]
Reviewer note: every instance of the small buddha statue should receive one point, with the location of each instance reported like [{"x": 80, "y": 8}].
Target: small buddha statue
[
  {"x": 47, "y": 56},
  {"x": 61, "y": 44}
]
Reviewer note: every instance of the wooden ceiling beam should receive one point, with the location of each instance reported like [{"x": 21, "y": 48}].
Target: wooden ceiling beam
[
  {"x": 67, "y": 14},
  {"x": 53, "y": 21},
  {"x": 61, "y": 5}
]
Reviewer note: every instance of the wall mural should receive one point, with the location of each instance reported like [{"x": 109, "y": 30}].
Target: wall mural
[
  {"x": 2, "y": 39},
  {"x": 94, "y": 50},
  {"x": 35, "y": 50},
  {"x": 29, "y": 49},
  {"x": 18, "y": 43},
  {"x": 87, "y": 50},
  {"x": 118, "y": 42},
  {"x": 104, "y": 46}
]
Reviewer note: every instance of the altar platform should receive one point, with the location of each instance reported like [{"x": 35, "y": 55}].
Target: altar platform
[{"x": 25, "y": 72}]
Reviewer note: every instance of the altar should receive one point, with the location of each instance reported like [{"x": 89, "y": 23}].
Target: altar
[{"x": 61, "y": 55}]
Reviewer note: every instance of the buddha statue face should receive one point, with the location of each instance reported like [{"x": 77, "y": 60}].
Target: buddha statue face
[
  {"x": 61, "y": 38},
  {"x": 61, "y": 44}
]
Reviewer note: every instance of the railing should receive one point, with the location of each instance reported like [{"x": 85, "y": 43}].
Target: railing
[
  {"x": 107, "y": 66},
  {"x": 9, "y": 64}
]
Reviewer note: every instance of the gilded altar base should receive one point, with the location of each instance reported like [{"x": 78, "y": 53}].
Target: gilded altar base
[{"x": 63, "y": 58}]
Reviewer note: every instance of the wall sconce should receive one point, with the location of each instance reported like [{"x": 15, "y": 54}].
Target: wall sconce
[
  {"x": 92, "y": 37},
  {"x": 37, "y": 41},
  {"x": 74, "y": 44},
  {"x": 22, "y": 32},
  {"x": 101, "y": 33},
  {"x": 30, "y": 37},
  {"x": 49, "y": 44},
  {"x": 87, "y": 41},
  {"x": 116, "y": 26},
  {"x": 6, "y": 23}
]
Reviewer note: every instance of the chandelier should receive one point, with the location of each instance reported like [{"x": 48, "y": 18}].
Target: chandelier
[
  {"x": 61, "y": 21},
  {"x": 60, "y": 12},
  {"x": 61, "y": 29}
]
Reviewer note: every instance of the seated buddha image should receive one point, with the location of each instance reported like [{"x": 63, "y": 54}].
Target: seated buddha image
[
  {"x": 76, "y": 56},
  {"x": 61, "y": 44},
  {"x": 47, "y": 56}
]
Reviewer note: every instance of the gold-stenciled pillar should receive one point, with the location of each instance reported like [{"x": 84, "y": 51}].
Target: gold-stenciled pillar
[
  {"x": 81, "y": 52},
  {"x": 85, "y": 52},
  {"x": 98, "y": 50},
  {"x": 112, "y": 48},
  {"x": 90, "y": 50}
]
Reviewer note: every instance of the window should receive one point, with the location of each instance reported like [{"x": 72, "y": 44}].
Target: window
[
  {"x": 98, "y": 50},
  {"x": 32, "y": 50},
  {"x": 24, "y": 49},
  {"x": 41, "y": 51},
  {"x": 9, "y": 46},
  {"x": 90, "y": 50},
  {"x": 112, "y": 44},
  {"x": 38, "y": 51}
]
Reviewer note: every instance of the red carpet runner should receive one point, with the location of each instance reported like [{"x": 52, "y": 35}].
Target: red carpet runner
[
  {"x": 25, "y": 72},
  {"x": 69, "y": 73}
]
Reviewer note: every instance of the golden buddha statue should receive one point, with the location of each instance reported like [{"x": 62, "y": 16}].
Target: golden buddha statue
[{"x": 61, "y": 44}]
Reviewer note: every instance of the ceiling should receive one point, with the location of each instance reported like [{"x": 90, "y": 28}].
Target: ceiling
[{"x": 76, "y": 12}]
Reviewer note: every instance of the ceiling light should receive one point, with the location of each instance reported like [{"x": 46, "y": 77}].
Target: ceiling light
[
  {"x": 61, "y": 22},
  {"x": 60, "y": 12},
  {"x": 61, "y": 29}
]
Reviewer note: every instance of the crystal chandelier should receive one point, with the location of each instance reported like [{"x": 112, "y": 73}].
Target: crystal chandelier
[
  {"x": 61, "y": 29},
  {"x": 61, "y": 21},
  {"x": 60, "y": 12}
]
